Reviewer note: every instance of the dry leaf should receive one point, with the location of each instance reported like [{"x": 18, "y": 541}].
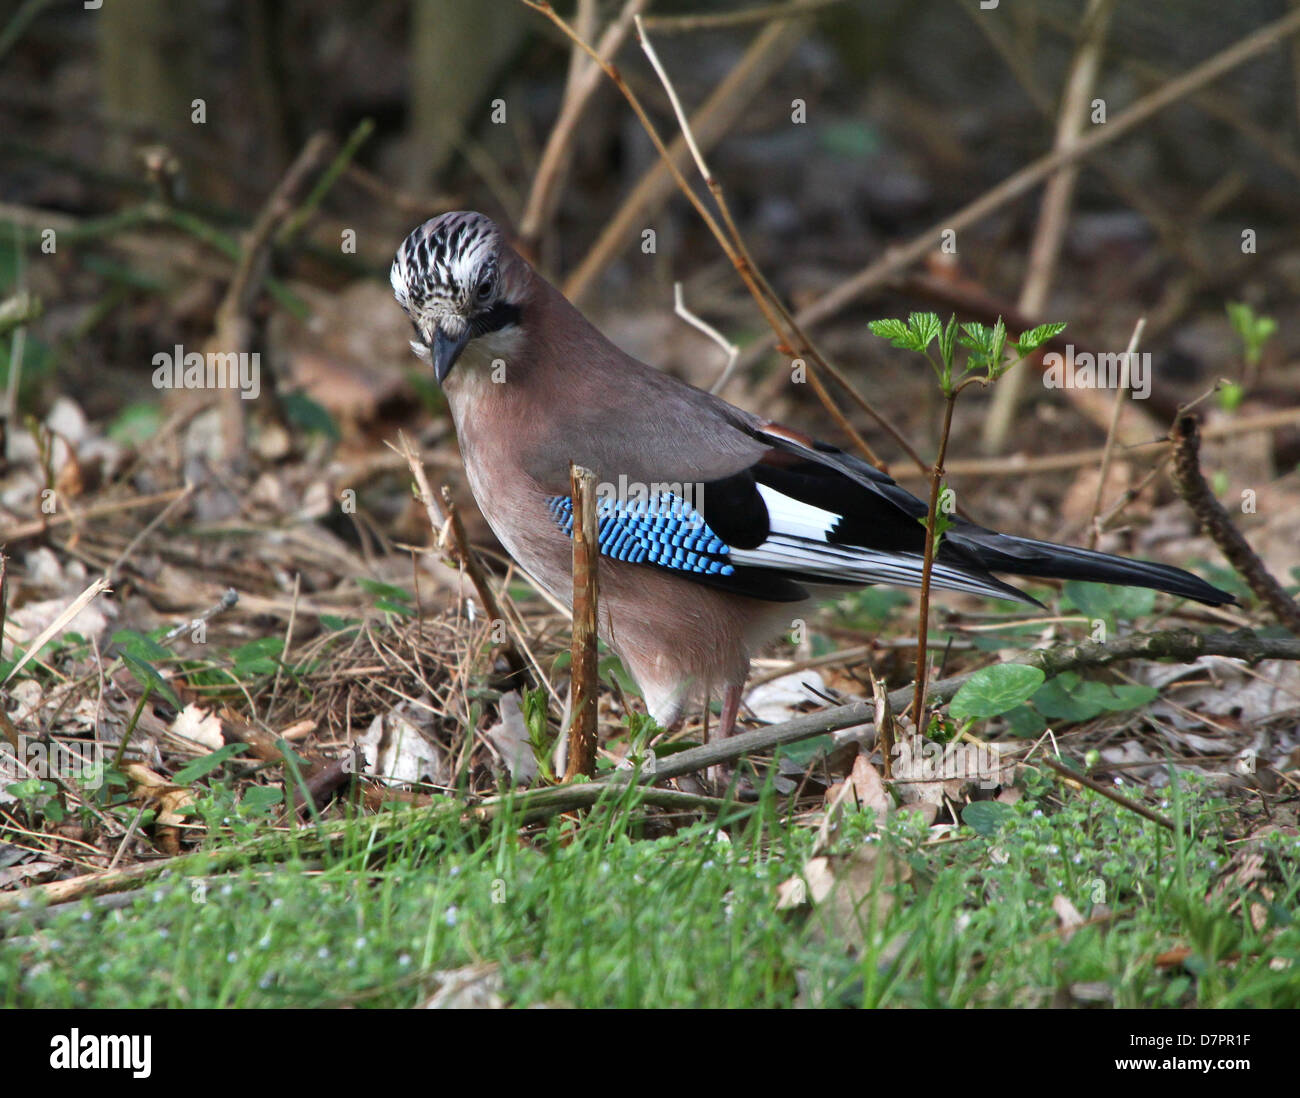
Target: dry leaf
[
  {"x": 509, "y": 737},
  {"x": 474, "y": 987},
  {"x": 786, "y": 697},
  {"x": 198, "y": 726},
  {"x": 397, "y": 752},
  {"x": 1069, "y": 915},
  {"x": 850, "y": 893}
]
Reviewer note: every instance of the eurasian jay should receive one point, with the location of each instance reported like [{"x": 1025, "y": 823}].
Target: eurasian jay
[{"x": 717, "y": 528}]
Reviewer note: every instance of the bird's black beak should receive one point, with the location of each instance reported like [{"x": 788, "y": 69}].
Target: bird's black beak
[{"x": 446, "y": 349}]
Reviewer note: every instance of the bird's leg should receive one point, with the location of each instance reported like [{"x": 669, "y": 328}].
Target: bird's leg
[
  {"x": 730, "y": 710},
  {"x": 721, "y": 774}
]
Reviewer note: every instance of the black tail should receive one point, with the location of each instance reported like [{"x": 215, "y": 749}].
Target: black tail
[{"x": 1026, "y": 557}]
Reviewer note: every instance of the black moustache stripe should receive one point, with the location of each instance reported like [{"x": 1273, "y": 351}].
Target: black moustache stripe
[{"x": 499, "y": 316}]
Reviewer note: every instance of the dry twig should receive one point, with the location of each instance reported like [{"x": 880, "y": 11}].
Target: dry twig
[
  {"x": 1054, "y": 212},
  {"x": 584, "y": 683},
  {"x": 1183, "y": 645},
  {"x": 1094, "y": 525},
  {"x": 1217, "y": 523}
]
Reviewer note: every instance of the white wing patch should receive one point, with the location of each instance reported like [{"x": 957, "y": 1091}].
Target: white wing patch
[{"x": 798, "y": 543}]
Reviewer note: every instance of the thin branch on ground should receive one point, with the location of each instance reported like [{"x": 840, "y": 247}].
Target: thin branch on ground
[
  {"x": 1015, "y": 466},
  {"x": 1183, "y": 645},
  {"x": 1107, "y": 791},
  {"x": 449, "y": 532},
  {"x": 1217, "y": 523}
]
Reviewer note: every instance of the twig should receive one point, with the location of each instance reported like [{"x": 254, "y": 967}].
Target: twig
[
  {"x": 19, "y": 23},
  {"x": 927, "y": 566},
  {"x": 1017, "y": 466},
  {"x": 1216, "y": 522},
  {"x": 724, "y": 106},
  {"x": 228, "y": 601},
  {"x": 678, "y": 24},
  {"x": 884, "y": 720},
  {"x": 437, "y": 522},
  {"x": 97, "y": 588},
  {"x": 585, "y": 79},
  {"x": 1183, "y": 645},
  {"x": 583, "y": 679},
  {"x": 729, "y": 349},
  {"x": 1126, "y": 377},
  {"x": 769, "y": 302},
  {"x": 234, "y": 326},
  {"x": 1107, "y": 791},
  {"x": 525, "y": 807},
  {"x": 110, "y": 573},
  {"x": 450, "y": 531},
  {"x": 1054, "y": 212},
  {"x": 25, "y": 530},
  {"x": 469, "y": 561},
  {"x": 126, "y": 839},
  {"x": 336, "y": 167}
]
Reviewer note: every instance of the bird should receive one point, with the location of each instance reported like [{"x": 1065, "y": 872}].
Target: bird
[{"x": 718, "y": 529}]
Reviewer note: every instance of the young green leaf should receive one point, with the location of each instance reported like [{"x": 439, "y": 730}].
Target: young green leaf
[
  {"x": 893, "y": 330},
  {"x": 147, "y": 675},
  {"x": 1036, "y": 337},
  {"x": 925, "y": 329},
  {"x": 208, "y": 763},
  {"x": 986, "y": 817},
  {"x": 991, "y": 691},
  {"x": 947, "y": 343}
]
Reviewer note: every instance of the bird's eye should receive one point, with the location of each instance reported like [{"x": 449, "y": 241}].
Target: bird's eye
[{"x": 485, "y": 288}]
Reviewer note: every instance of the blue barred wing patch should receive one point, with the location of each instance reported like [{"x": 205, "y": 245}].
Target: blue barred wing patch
[{"x": 666, "y": 531}]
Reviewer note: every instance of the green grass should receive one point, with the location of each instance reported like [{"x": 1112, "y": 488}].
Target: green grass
[{"x": 590, "y": 914}]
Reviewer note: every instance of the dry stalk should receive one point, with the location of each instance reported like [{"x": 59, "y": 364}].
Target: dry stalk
[
  {"x": 678, "y": 24},
  {"x": 233, "y": 331},
  {"x": 1217, "y": 523},
  {"x": 769, "y": 302},
  {"x": 1094, "y": 524},
  {"x": 584, "y": 681},
  {"x": 1053, "y": 463},
  {"x": 774, "y": 312},
  {"x": 729, "y": 349},
  {"x": 584, "y": 79},
  {"x": 1054, "y": 212}
]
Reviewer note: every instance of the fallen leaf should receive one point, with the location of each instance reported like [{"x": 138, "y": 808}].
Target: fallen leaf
[
  {"x": 474, "y": 987},
  {"x": 1069, "y": 915},
  {"x": 509, "y": 737},
  {"x": 198, "y": 726}
]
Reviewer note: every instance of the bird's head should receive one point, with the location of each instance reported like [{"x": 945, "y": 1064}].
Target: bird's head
[{"x": 458, "y": 281}]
